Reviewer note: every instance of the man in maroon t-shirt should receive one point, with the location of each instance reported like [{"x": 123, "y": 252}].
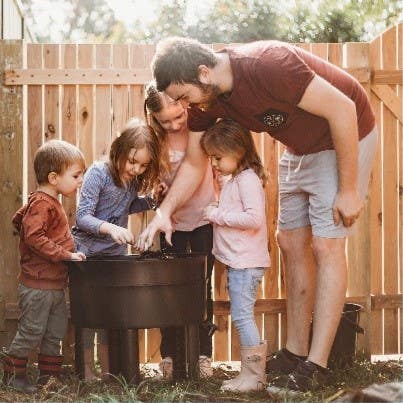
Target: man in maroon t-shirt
[{"x": 323, "y": 117}]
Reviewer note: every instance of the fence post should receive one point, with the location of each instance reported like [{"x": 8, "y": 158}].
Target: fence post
[{"x": 11, "y": 176}]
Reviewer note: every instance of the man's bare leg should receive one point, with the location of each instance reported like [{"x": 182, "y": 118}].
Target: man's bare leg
[
  {"x": 330, "y": 294},
  {"x": 299, "y": 263}
]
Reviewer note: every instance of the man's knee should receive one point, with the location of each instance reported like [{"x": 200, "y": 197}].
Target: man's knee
[{"x": 324, "y": 247}]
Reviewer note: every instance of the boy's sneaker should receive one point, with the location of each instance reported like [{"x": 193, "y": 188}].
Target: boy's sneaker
[
  {"x": 166, "y": 367},
  {"x": 282, "y": 362},
  {"x": 306, "y": 377},
  {"x": 205, "y": 367}
]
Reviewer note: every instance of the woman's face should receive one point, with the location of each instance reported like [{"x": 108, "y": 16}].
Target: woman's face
[{"x": 172, "y": 117}]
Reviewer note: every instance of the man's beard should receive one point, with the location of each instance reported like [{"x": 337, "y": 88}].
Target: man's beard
[{"x": 210, "y": 93}]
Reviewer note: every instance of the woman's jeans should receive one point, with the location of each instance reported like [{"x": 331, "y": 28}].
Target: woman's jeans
[{"x": 242, "y": 286}]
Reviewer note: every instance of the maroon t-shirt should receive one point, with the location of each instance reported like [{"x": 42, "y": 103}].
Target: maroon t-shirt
[{"x": 270, "y": 78}]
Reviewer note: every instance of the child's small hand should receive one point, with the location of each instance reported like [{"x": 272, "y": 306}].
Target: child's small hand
[
  {"x": 121, "y": 235},
  {"x": 78, "y": 256},
  {"x": 208, "y": 210}
]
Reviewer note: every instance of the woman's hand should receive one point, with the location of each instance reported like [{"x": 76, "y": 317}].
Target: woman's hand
[{"x": 78, "y": 256}]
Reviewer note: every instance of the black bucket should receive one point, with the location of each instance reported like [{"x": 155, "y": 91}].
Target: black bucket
[{"x": 344, "y": 346}]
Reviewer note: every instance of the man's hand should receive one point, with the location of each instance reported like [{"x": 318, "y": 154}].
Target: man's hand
[
  {"x": 347, "y": 207},
  {"x": 161, "y": 222},
  {"x": 78, "y": 256}
]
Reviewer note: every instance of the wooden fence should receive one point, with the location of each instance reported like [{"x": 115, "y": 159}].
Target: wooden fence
[{"x": 85, "y": 93}]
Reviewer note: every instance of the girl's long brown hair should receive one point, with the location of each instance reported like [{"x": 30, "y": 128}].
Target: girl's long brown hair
[
  {"x": 136, "y": 134},
  {"x": 154, "y": 102},
  {"x": 229, "y": 137}
]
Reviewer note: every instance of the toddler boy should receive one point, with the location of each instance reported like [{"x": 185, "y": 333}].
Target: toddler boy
[{"x": 45, "y": 242}]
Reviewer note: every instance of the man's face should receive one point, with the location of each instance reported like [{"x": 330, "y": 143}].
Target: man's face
[{"x": 201, "y": 95}]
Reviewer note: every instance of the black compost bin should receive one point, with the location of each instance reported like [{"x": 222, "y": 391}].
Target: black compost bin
[{"x": 125, "y": 293}]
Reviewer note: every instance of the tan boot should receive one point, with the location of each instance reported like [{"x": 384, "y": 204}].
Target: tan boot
[{"x": 252, "y": 375}]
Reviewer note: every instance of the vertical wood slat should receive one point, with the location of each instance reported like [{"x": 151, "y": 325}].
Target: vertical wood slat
[
  {"x": 51, "y": 61},
  {"x": 35, "y": 109},
  {"x": 86, "y": 106},
  {"x": 69, "y": 118},
  {"x": 120, "y": 93},
  {"x": 271, "y": 280},
  {"x": 103, "y": 117},
  {"x": 11, "y": 178},
  {"x": 358, "y": 246},
  {"x": 390, "y": 194},
  {"x": 375, "y": 206}
]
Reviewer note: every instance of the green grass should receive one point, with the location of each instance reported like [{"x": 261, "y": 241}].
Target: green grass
[{"x": 360, "y": 375}]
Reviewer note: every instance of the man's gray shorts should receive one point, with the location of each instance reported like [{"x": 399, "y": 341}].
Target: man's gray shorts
[{"x": 308, "y": 186}]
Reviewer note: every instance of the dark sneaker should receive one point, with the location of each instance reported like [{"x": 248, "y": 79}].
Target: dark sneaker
[
  {"x": 282, "y": 362},
  {"x": 306, "y": 377}
]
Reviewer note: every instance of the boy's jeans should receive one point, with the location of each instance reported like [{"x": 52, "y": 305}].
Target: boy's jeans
[{"x": 242, "y": 286}]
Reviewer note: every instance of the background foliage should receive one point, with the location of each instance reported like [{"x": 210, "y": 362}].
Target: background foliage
[{"x": 222, "y": 20}]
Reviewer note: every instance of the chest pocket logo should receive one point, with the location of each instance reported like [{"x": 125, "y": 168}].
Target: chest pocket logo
[{"x": 272, "y": 118}]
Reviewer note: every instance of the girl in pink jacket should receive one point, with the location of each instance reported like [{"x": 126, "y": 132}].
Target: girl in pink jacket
[{"x": 240, "y": 239}]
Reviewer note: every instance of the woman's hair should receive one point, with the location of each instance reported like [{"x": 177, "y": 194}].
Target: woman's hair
[
  {"x": 135, "y": 135},
  {"x": 229, "y": 137},
  {"x": 55, "y": 156},
  {"x": 155, "y": 102}
]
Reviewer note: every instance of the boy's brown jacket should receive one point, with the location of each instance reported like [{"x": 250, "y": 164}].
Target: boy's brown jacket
[{"x": 45, "y": 241}]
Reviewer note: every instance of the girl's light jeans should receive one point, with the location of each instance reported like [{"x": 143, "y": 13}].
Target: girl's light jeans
[{"x": 242, "y": 286}]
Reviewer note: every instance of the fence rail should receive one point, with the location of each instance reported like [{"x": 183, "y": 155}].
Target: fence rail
[{"x": 85, "y": 93}]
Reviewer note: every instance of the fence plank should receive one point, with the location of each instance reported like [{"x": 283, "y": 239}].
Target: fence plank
[
  {"x": 103, "y": 117},
  {"x": 271, "y": 279},
  {"x": 85, "y": 106},
  {"x": 120, "y": 93},
  {"x": 52, "y": 102},
  {"x": 358, "y": 243},
  {"x": 69, "y": 119},
  {"x": 390, "y": 199},
  {"x": 35, "y": 108},
  {"x": 376, "y": 325},
  {"x": 11, "y": 179}
]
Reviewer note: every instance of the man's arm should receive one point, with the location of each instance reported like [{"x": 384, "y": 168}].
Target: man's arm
[
  {"x": 187, "y": 180},
  {"x": 323, "y": 99}
]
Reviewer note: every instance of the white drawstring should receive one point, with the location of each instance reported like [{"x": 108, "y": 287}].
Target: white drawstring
[{"x": 297, "y": 169}]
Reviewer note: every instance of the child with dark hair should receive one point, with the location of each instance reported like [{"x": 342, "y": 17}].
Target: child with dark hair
[
  {"x": 45, "y": 242},
  {"x": 240, "y": 240}
]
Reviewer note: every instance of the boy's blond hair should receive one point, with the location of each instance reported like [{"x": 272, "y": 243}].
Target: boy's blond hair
[{"x": 55, "y": 156}]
